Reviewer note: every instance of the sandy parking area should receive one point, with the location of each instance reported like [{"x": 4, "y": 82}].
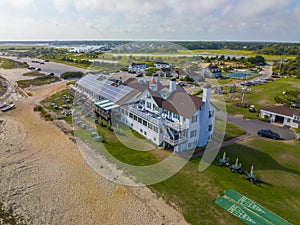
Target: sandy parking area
[
  {"x": 48, "y": 67},
  {"x": 46, "y": 181}
]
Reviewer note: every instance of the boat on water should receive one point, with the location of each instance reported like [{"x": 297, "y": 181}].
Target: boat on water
[{"x": 7, "y": 108}]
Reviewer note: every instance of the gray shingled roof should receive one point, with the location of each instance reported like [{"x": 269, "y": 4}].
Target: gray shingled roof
[
  {"x": 282, "y": 110},
  {"x": 178, "y": 102}
]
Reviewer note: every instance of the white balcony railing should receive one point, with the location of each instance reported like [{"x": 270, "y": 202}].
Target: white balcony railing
[{"x": 175, "y": 142}]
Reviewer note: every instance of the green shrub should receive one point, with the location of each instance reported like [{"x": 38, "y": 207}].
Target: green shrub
[
  {"x": 198, "y": 92},
  {"x": 34, "y": 74},
  {"x": 38, "y": 108},
  {"x": 72, "y": 75}
]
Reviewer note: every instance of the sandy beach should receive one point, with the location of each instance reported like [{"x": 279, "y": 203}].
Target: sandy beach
[{"x": 45, "y": 179}]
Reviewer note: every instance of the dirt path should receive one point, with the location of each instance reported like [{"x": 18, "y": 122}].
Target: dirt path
[{"x": 46, "y": 181}]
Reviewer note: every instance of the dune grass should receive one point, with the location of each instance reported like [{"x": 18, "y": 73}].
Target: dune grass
[
  {"x": 12, "y": 64},
  {"x": 34, "y": 74},
  {"x": 39, "y": 81}
]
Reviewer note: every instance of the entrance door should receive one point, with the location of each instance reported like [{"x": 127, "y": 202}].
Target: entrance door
[{"x": 279, "y": 119}]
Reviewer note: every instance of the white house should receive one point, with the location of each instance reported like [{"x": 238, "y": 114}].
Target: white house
[
  {"x": 134, "y": 67},
  {"x": 283, "y": 115},
  {"x": 162, "y": 113},
  {"x": 162, "y": 65},
  {"x": 212, "y": 71}
]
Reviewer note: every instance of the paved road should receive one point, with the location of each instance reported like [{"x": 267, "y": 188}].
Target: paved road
[
  {"x": 252, "y": 126},
  {"x": 267, "y": 71}
]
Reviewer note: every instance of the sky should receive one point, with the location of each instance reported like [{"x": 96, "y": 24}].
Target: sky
[{"x": 237, "y": 20}]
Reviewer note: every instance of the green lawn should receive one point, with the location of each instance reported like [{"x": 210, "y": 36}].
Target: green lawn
[
  {"x": 194, "y": 192},
  {"x": 275, "y": 162},
  {"x": 233, "y": 131},
  {"x": 260, "y": 96}
]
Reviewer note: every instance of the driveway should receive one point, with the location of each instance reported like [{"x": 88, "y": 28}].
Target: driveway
[{"x": 252, "y": 126}]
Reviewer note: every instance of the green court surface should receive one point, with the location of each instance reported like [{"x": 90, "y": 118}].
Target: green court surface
[{"x": 247, "y": 210}]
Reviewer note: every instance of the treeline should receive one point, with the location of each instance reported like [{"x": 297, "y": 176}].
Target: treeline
[
  {"x": 267, "y": 48},
  {"x": 215, "y": 45},
  {"x": 291, "y": 67},
  {"x": 80, "y": 61},
  {"x": 281, "y": 49},
  {"x": 250, "y": 61},
  {"x": 49, "y": 53}
]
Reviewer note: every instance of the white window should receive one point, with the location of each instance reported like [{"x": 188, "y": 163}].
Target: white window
[
  {"x": 193, "y": 133},
  {"x": 185, "y": 133},
  {"x": 194, "y": 119},
  {"x": 175, "y": 116}
]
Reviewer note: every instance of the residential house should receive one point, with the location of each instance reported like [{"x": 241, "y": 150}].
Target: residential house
[
  {"x": 134, "y": 67},
  {"x": 163, "y": 65},
  {"x": 212, "y": 71}
]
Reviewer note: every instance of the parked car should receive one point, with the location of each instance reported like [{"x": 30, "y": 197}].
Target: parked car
[
  {"x": 180, "y": 83},
  {"x": 275, "y": 76},
  {"x": 269, "y": 79},
  {"x": 31, "y": 68},
  {"x": 139, "y": 74},
  {"x": 38, "y": 69},
  {"x": 50, "y": 74},
  {"x": 268, "y": 133}
]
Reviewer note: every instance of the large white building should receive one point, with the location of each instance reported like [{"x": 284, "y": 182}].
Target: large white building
[{"x": 163, "y": 113}]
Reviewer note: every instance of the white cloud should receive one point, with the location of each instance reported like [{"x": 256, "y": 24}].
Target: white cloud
[
  {"x": 245, "y": 8},
  {"x": 297, "y": 12},
  {"x": 61, "y": 5},
  {"x": 168, "y": 19},
  {"x": 20, "y": 4}
]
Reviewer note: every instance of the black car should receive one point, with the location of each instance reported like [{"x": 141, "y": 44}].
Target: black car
[{"x": 268, "y": 133}]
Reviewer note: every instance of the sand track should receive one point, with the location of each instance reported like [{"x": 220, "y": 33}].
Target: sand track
[{"x": 45, "y": 179}]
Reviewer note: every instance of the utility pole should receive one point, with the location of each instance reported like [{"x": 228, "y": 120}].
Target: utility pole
[
  {"x": 243, "y": 95},
  {"x": 280, "y": 65}
]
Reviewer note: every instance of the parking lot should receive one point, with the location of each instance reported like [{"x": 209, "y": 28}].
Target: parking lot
[{"x": 50, "y": 67}]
